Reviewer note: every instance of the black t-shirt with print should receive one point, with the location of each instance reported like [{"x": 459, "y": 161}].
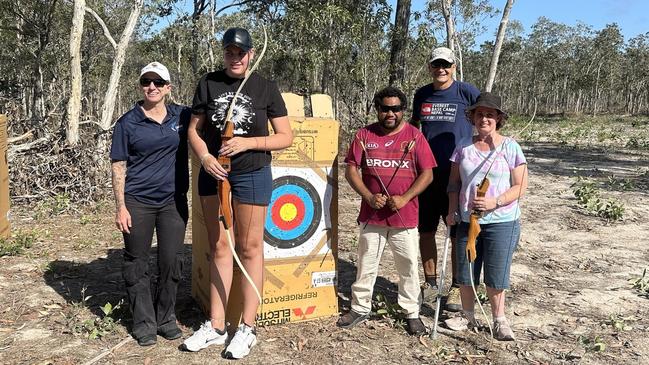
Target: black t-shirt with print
[{"x": 258, "y": 101}]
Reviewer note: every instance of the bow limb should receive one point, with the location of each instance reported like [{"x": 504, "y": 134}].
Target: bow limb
[
  {"x": 474, "y": 226},
  {"x": 408, "y": 148},
  {"x": 226, "y": 214},
  {"x": 249, "y": 72},
  {"x": 226, "y": 219},
  {"x": 376, "y": 174}
]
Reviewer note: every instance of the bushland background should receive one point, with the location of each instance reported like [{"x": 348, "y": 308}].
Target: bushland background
[{"x": 70, "y": 69}]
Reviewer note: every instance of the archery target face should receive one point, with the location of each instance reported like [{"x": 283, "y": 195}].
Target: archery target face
[{"x": 295, "y": 221}]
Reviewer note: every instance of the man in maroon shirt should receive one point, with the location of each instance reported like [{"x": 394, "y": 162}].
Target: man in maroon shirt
[{"x": 395, "y": 163}]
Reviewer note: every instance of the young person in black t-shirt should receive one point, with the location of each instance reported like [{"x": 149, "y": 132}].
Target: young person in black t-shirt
[{"x": 250, "y": 179}]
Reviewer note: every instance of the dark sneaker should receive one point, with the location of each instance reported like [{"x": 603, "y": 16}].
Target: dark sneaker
[
  {"x": 429, "y": 292},
  {"x": 350, "y": 319},
  {"x": 415, "y": 327},
  {"x": 453, "y": 302},
  {"x": 147, "y": 340},
  {"x": 171, "y": 334}
]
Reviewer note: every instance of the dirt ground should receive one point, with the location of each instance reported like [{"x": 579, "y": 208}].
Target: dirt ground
[{"x": 571, "y": 300}]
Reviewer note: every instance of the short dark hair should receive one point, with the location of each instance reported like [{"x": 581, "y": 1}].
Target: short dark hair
[{"x": 390, "y": 92}]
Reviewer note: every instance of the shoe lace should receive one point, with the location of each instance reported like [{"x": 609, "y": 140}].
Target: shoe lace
[
  {"x": 241, "y": 334},
  {"x": 205, "y": 328}
]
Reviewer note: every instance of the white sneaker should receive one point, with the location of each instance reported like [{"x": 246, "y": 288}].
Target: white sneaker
[
  {"x": 244, "y": 339},
  {"x": 205, "y": 336}
]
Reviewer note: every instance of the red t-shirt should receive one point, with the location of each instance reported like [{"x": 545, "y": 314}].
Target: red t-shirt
[{"x": 384, "y": 157}]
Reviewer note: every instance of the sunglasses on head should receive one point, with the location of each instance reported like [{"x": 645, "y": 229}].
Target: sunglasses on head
[
  {"x": 390, "y": 108},
  {"x": 157, "y": 82},
  {"x": 441, "y": 64}
]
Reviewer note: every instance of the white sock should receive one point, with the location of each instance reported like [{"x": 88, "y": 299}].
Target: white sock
[{"x": 502, "y": 319}]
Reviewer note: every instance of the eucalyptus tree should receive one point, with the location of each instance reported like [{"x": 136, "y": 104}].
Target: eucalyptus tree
[
  {"x": 463, "y": 20},
  {"x": 30, "y": 30},
  {"x": 399, "y": 42}
]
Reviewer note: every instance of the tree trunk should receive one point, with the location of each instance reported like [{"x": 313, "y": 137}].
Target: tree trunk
[
  {"x": 459, "y": 59},
  {"x": 450, "y": 25},
  {"x": 399, "y": 42},
  {"x": 74, "y": 103},
  {"x": 210, "y": 48},
  {"x": 499, "y": 42},
  {"x": 118, "y": 62}
]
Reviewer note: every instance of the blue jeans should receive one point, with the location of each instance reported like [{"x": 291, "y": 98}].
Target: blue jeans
[
  {"x": 254, "y": 187},
  {"x": 495, "y": 247}
]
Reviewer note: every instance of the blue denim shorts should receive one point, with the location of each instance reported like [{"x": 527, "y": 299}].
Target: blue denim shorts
[
  {"x": 254, "y": 187},
  {"x": 495, "y": 247}
]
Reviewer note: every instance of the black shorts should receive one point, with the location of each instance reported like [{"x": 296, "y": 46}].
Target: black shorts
[
  {"x": 433, "y": 204},
  {"x": 254, "y": 187}
]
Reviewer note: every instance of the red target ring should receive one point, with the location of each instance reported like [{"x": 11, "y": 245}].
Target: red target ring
[{"x": 287, "y": 212}]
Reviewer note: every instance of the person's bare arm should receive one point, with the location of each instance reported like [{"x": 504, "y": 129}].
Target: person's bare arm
[
  {"x": 376, "y": 201},
  {"x": 122, "y": 216},
  {"x": 208, "y": 161}
]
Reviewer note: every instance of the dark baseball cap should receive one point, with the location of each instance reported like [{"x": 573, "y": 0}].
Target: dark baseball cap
[{"x": 238, "y": 37}]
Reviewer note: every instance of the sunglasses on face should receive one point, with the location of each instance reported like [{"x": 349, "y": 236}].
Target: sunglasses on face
[
  {"x": 441, "y": 64},
  {"x": 157, "y": 82},
  {"x": 390, "y": 108}
]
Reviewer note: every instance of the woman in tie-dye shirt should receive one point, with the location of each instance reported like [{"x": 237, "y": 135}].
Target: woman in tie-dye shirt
[{"x": 501, "y": 159}]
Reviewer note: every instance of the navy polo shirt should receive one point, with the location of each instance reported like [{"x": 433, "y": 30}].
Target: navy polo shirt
[{"x": 155, "y": 154}]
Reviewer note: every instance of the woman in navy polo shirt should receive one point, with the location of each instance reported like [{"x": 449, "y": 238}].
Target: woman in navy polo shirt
[
  {"x": 150, "y": 182},
  {"x": 250, "y": 179}
]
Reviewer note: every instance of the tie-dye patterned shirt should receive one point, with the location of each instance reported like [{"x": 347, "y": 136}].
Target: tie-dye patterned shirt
[{"x": 474, "y": 164}]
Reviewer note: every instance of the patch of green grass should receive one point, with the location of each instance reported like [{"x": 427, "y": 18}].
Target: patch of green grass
[
  {"x": 619, "y": 323},
  {"x": 624, "y": 184},
  {"x": 588, "y": 197},
  {"x": 641, "y": 284},
  {"x": 18, "y": 242},
  {"x": 93, "y": 328},
  {"x": 595, "y": 344},
  {"x": 55, "y": 205},
  {"x": 392, "y": 311}
]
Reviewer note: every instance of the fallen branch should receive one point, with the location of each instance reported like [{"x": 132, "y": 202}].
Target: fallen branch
[
  {"x": 28, "y": 146},
  {"x": 26, "y": 135},
  {"x": 107, "y": 352}
]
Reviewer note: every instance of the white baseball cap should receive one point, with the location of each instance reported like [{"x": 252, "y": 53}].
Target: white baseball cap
[
  {"x": 158, "y": 68},
  {"x": 442, "y": 53}
]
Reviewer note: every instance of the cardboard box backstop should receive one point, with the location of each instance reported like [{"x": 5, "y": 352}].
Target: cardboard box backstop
[
  {"x": 4, "y": 180},
  {"x": 301, "y": 228}
]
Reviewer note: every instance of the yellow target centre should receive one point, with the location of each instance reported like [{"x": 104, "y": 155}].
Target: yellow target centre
[{"x": 288, "y": 212}]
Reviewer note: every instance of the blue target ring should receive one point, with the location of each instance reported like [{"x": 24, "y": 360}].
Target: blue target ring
[{"x": 308, "y": 211}]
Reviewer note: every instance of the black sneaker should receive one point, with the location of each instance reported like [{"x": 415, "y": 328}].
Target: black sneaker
[
  {"x": 171, "y": 334},
  {"x": 415, "y": 326},
  {"x": 350, "y": 319},
  {"x": 147, "y": 340}
]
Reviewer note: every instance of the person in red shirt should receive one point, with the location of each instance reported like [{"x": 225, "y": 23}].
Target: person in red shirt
[{"x": 395, "y": 163}]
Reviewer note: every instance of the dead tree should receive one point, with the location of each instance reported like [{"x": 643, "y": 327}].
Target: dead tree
[
  {"x": 74, "y": 102},
  {"x": 497, "y": 47}
]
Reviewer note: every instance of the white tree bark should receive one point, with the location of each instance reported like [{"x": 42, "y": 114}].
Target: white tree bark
[
  {"x": 497, "y": 47},
  {"x": 450, "y": 24},
  {"x": 450, "y": 32},
  {"x": 74, "y": 103},
  {"x": 120, "y": 54}
]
